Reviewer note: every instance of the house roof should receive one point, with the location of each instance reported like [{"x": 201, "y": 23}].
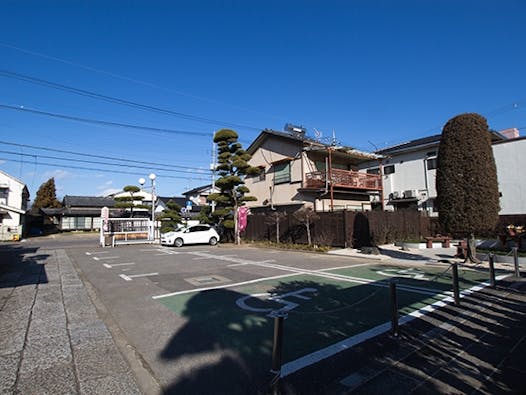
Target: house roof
[
  {"x": 13, "y": 178},
  {"x": 429, "y": 140},
  {"x": 88, "y": 201},
  {"x": 300, "y": 138},
  {"x": 5, "y": 208},
  {"x": 425, "y": 141},
  {"x": 180, "y": 200},
  {"x": 305, "y": 141},
  {"x": 203, "y": 188}
]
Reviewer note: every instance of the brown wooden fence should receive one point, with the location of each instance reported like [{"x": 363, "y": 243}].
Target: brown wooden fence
[{"x": 344, "y": 228}]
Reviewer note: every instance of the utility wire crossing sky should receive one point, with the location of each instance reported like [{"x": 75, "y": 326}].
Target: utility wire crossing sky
[{"x": 100, "y": 94}]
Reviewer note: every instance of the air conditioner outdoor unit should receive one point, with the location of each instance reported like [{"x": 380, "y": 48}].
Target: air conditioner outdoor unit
[
  {"x": 411, "y": 194},
  {"x": 395, "y": 195}
]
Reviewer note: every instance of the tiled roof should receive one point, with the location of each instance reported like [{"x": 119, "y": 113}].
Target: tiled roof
[
  {"x": 180, "y": 200},
  {"x": 495, "y": 137},
  {"x": 88, "y": 201}
]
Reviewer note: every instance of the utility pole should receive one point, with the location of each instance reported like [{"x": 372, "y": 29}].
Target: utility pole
[{"x": 213, "y": 165}]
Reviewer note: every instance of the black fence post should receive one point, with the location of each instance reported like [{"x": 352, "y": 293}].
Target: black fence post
[
  {"x": 456, "y": 292},
  {"x": 516, "y": 262},
  {"x": 394, "y": 307},
  {"x": 492, "y": 283},
  {"x": 277, "y": 352}
]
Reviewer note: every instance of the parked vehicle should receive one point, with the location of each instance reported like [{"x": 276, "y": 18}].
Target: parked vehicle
[{"x": 196, "y": 234}]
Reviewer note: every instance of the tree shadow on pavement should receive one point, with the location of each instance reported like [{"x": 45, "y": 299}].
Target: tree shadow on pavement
[
  {"x": 21, "y": 266},
  {"x": 223, "y": 349}
]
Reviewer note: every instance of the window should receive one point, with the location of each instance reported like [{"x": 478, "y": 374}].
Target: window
[
  {"x": 375, "y": 170},
  {"x": 431, "y": 163},
  {"x": 389, "y": 169},
  {"x": 259, "y": 176},
  {"x": 4, "y": 193},
  {"x": 281, "y": 172},
  {"x": 262, "y": 174}
]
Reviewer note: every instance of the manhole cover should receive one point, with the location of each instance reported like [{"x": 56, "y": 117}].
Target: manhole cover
[{"x": 206, "y": 280}]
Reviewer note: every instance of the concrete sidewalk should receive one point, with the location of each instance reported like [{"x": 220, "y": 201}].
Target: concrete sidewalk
[
  {"x": 395, "y": 254},
  {"x": 51, "y": 339},
  {"x": 478, "y": 347}
]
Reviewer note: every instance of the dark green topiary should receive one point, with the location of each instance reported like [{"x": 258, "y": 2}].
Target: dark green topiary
[
  {"x": 466, "y": 178},
  {"x": 232, "y": 168}
]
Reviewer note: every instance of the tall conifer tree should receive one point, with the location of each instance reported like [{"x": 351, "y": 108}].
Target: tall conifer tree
[
  {"x": 466, "y": 178},
  {"x": 46, "y": 196},
  {"x": 232, "y": 168}
]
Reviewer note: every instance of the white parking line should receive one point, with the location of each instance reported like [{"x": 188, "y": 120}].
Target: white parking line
[
  {"x": 251, "y": 263},
  {"x": 106, "y": 257},
  {"x": 98, "y": 252},
  {"x": 222, "y": 286},
  {"x": 132, "y": 276},
  {"x": 166, "y": 251},
  {"x": 117, "y": 264}
]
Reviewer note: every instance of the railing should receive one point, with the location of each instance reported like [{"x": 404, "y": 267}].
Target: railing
[{"x": 345, "y": 179}]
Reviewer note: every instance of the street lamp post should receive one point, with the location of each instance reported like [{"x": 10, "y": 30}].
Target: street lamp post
[{"x": 152, "y": 178}]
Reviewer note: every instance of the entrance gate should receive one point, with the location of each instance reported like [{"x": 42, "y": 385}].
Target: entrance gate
[{"x": 116, "y": 231}]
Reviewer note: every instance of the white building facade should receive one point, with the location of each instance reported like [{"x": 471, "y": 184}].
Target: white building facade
[
  {"x": 409, "y": 174},
  {"x": 14, "y": 197}
]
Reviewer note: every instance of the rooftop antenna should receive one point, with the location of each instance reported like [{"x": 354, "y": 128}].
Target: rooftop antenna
[
  {"x": 317, "y": 133},
  {"x": 334, "y": 142}
]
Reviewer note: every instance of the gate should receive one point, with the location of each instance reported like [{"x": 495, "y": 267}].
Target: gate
[{"x": 116, "y": 231}]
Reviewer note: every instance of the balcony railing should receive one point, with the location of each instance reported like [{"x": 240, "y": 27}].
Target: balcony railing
[{"x": 344, "y": 179}]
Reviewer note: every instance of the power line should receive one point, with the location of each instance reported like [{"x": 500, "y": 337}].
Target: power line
[
  {"x": 116, "y": 100},
  {"x": 100, "y": 170},
  {"x": 189, "y": 171},
  {"x": 94, "y": 156},
  {"x": 125, "y": 78},
  {"x": 102, "y": 122}
]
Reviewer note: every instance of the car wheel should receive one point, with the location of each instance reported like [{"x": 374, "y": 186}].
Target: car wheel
[
  {"x": 212, "y": 241},
  {"x": 178, "y": 242}
]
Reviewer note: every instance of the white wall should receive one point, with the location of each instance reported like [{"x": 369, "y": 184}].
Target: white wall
[
  {"x": 12, "y": 201},
  {"x": 510, "y": 158},
  {"x": 411, "y": 172}
]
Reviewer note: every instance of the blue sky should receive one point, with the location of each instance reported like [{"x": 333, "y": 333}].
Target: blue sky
[{"x": 378, "y": 73}]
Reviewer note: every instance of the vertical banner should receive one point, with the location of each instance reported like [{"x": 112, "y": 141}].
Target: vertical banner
[
  {"x": 105, "y": 214},
  {"x": 242, "y": 214}
]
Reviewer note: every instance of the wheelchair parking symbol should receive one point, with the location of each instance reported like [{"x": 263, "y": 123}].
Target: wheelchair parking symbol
[
  {"x": 406, "y": 273},
  {"x": 281, "y": 299}
]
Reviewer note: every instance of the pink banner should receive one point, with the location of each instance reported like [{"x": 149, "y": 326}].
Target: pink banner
[{"x": 242, "y": 213}]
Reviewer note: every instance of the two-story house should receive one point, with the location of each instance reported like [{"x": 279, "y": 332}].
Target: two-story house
[
  {"x": 409, "y": 170},
  {"x": 300, "y": 171},
  {"x": 14, "y": 197}
]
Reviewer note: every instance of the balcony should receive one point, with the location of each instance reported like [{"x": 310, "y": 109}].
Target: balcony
[{"x": 343, "y": 179}]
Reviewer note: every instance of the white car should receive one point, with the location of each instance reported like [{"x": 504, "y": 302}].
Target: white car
[{"x": 196, "y": 234}]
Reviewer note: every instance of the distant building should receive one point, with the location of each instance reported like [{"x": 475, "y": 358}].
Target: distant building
[
  {"x": 197, "y": 196},
  {"x": 78, "y": 213},
  {"x": 409, "y": 172},
  {"x": 14, "y": 197},
  {"x": 297, "y": 171}
]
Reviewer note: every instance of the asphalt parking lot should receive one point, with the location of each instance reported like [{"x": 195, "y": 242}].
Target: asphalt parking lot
[
  {"x": 178, "y": 339},
  {"x": 129, "y": 279}
]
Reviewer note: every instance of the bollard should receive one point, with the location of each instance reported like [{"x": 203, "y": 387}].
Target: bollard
[
  {"x": 492, "y": 283},
  {"x": 394, "y": 307},
  {"x": 456, "y": 293},
  {"x": 516, "y": 262},
  {"x": 277, "y": 351}
]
